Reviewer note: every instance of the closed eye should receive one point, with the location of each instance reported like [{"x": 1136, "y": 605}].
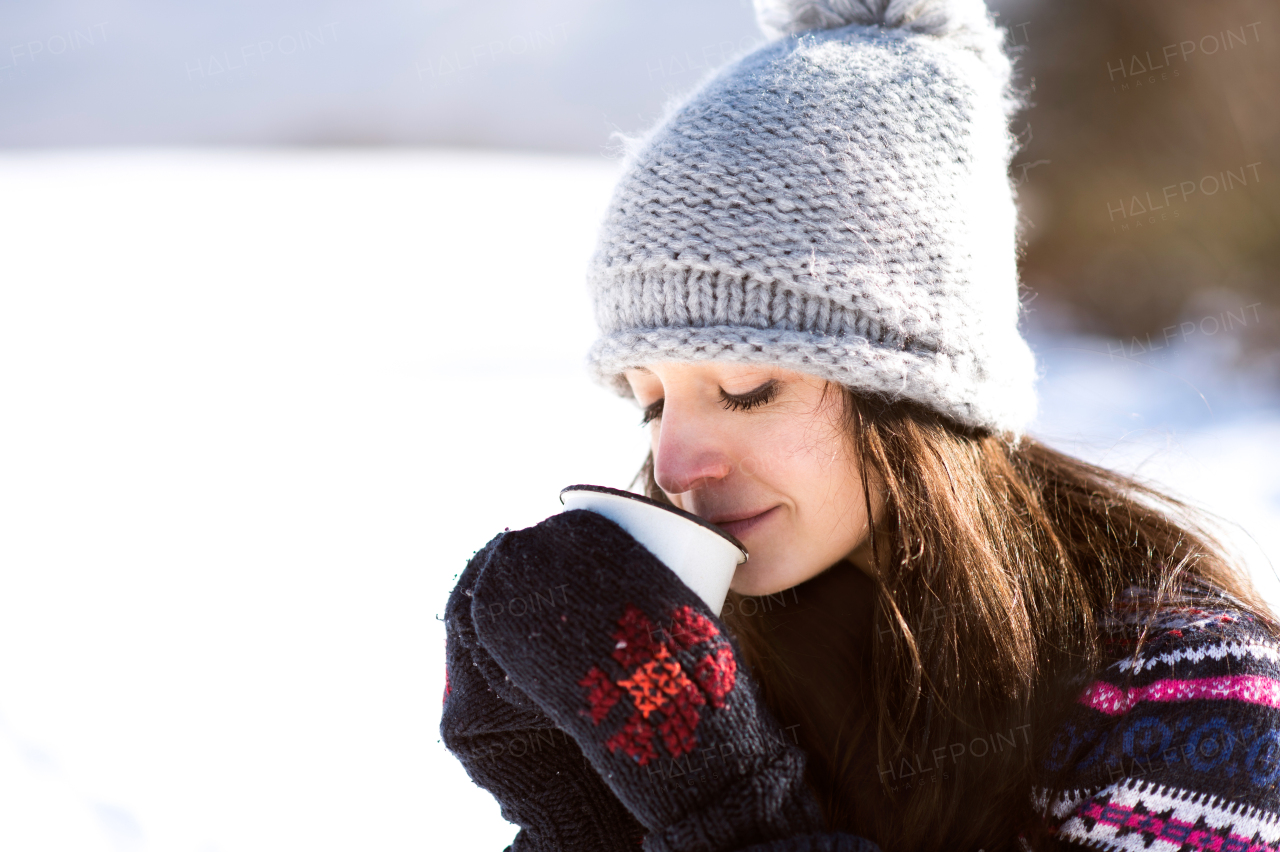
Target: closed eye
[{"x": 762, "y": 395}]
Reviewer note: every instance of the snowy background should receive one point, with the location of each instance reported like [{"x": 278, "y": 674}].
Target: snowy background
[
  {"x": 292, "y": 315},
  {"x": 541, "y": 74}
]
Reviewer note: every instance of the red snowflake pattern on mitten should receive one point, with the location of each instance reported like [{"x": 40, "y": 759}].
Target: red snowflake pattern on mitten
[
  {"x": 636, "y": 739},
  {"x": 664, "y": 698},
  {"x": 717, "y": 675},
  {"x": 690, "y": 627},
  {"x": 635, "y": 641},
  {"x": 677, "y": 729},
  {"x": 602, "y": 694}
]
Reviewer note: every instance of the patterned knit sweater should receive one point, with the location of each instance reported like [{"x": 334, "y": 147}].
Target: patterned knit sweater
[{"x": 1177, "y": 750}]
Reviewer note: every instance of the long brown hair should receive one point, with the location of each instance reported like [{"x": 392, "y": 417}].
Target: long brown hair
[{"x": 994, "y": 559}]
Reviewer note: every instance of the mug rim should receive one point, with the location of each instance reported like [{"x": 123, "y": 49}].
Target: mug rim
[{"x": 631, "y": 495}]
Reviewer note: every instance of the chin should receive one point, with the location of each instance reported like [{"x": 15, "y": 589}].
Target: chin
[{"x": 756, "y": 583}]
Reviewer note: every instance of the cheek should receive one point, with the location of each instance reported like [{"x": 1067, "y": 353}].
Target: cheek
[
  {"x": 774, "y": 457},
  {"x": 809, "y": 471}
]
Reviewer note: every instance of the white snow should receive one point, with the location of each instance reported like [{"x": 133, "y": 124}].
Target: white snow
[{"x": 260, "y": 408}]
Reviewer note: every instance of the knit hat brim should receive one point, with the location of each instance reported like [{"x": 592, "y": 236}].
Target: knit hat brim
[{"x": 956, "y": 388}]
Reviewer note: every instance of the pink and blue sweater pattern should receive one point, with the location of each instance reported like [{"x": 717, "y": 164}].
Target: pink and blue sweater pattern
[{"x": 1177, "y": 750}]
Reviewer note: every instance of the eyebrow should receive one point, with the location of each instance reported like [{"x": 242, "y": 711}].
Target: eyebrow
[{"x": 645, "y": 370}]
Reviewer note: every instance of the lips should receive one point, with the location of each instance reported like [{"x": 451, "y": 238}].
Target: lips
[
  {"x": 739, "y": 528},
  {"x": 731, "y": 517}
]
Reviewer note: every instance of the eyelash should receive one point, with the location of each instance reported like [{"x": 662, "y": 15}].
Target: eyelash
[{"x": 746, "y": 402}]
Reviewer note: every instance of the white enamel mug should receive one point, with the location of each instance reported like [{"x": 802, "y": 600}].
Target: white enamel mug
[{"x": 701, "y": 554}]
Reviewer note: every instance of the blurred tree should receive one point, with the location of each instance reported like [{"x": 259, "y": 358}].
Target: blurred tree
[{"x": 1160, "y": 200}]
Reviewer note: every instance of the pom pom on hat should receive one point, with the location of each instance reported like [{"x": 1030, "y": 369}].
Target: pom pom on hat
[
  {"x": 966, "y": 22},
  {"x": 931, "y": 17}
]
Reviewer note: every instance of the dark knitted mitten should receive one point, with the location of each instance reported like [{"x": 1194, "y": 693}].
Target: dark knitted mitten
[
  {"x": 624, "y": 657},
  {"x": 510, "y": 747}
]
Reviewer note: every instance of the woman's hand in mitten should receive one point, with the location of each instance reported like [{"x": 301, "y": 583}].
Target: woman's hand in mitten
[
  {"x": 509, "y": 746},
  {"x": 624, "y": 657}
]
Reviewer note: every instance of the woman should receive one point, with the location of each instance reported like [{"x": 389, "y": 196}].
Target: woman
[{"x": 948, "y": 636}]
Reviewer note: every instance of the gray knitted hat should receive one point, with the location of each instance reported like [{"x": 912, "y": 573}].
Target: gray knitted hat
[{"x": 836, "y": 202}]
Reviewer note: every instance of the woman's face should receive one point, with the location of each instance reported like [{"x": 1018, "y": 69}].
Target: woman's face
[{"x": 733, "y": 441}]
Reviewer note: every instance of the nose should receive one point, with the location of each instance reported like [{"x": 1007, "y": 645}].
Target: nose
[{"x": 691, "y": 454}]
